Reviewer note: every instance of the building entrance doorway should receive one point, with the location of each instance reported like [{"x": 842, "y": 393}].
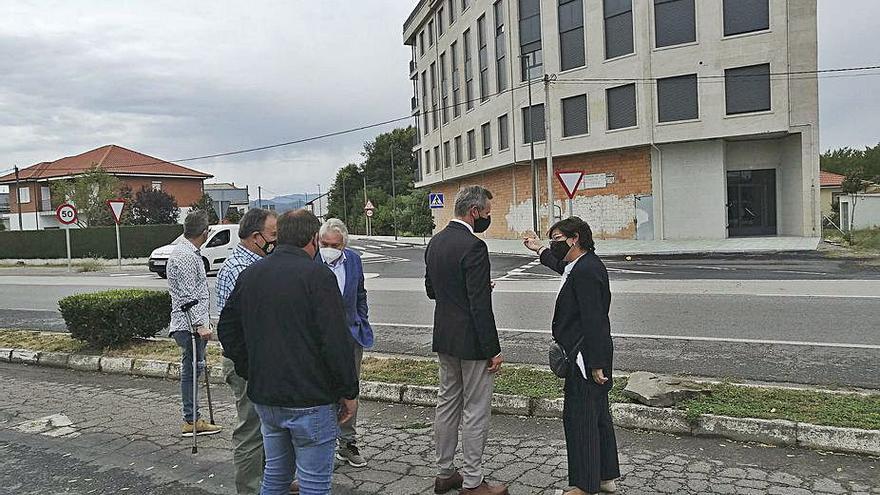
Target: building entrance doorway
[{"x": 751, "y": 203}]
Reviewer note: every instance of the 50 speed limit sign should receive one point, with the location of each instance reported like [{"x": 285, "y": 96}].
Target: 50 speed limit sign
[{"x": 66, "y": 214}]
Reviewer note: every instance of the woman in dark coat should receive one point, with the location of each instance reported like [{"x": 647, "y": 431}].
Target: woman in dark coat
[{"x": 581, "y": 326}]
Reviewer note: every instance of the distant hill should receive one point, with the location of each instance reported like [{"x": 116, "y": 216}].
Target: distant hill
[{"x": 285, "y": 203}]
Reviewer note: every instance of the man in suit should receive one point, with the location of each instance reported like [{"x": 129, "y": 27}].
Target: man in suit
[
  {"x": 346, "y": 265},
  {"x": 284, "y": 329},
  {"x": 457, "y": 277}
]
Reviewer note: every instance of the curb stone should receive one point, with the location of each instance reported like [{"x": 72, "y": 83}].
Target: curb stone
[
  {"x": 24, "y": 356},
  {"x": 630, "y": 416},
  {"x": 116, "y": 365},
  {"x": 54, "y": 359}
]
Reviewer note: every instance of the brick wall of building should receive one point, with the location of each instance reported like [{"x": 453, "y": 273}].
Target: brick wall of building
[
  {"x": 610, "y": 210},
  {"x": 185, "y": 191}
]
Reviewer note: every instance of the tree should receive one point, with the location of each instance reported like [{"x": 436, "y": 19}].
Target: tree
[
  {"x": 206, "y": 204},
  {"x": 89, "y": 192},
  {"x": 845, "y": 160},
  {"x": 233, "y": 215},
  {"x": 854, "y": 184},
  {"x": 153, "y": 207}
]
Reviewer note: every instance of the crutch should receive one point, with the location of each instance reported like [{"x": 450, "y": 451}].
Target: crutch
[
  {"x": 208, "y": 390},
  {"x": 195, "y": 377}
]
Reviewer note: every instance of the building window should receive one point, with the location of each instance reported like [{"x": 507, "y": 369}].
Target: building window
[
  {"x": 440, "y": 22},
  {"x": 618, "y": 28},
  {"x": 456, "y": 81},
  {"x": 465, "y": 4},
  {"x": 486, "y": 131},
  {"x": 530, "y": 39},
  {"x": 747, "y": 89},
  {"x": 425, "y": 126},
  {"x": 450, "y": 7},
  {"x": 677, "y": 98},
  {"x": 24, "y": 195},
  {"x": 674, "y": 22},
  {"x": 621, "y": 102},
  {"x": 418, "y": 170},
  {"x": 436, "y": 158},
  {"x": 422, "y": 43},
  {"x": 500, "y": 47},
  {"x": 434, "y": 95},
  {"x": 746, "y": 16},
  {"x": 574, "y": 116},
  {"x": 431, "y": 33},
  {"x": 447, "y": 157},
  {"x": 483, "y": 57},
  {"x": 468, "y": 72},
  {"x": 458, "y": 156},
  {"x": 427, "y": 161},
  {"x": 472, "y": 145},
  {"x": 571, "y": 34},
  {"x": 503, "y": 141},
  {"x": 45, "y": 199},
  {"x": 156, "y": 185},
  {"x": 444, "y": 90},
  {"x": 533, "y": 128}
]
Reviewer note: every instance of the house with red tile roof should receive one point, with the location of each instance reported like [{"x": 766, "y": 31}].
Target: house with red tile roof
[
  {"x": 831, "y": 185},
  {"x": 29, "y": 193}
]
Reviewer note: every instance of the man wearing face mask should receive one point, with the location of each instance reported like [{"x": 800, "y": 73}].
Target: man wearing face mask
[
  {"x": 457, "y": 277},
  {"x": 257, "y": 232},
  {"x": 346, "y": 265},
  {"x": 284, "y": 328}
]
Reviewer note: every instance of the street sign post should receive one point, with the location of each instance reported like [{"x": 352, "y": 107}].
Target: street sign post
[
  {"x": 368, "y": 211},
  {"x": 66, "y": 215},
  {"x": 116, "y": 206},
  {"x": 435, "y": 200},
  {"x": 570, "y": 180}
]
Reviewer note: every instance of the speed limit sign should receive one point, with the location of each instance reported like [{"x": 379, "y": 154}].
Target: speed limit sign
[
  {"x": 66, "y": 214},
  {"x": 369, "y": 213}
]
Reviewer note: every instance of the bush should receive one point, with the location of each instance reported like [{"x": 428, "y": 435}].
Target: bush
[
  {"x": 114, "y": 317},
  {"x": 137, "y": 241}
]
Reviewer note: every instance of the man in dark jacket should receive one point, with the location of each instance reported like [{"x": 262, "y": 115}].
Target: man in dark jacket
[
  {"x": 284, "y": 328},
  {"x": 466, "y": 341}
]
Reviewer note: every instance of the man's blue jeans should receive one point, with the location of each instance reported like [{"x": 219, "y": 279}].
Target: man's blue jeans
[
  {"x": 301, "y": 438},
  {"x": 184, "y": 340}
]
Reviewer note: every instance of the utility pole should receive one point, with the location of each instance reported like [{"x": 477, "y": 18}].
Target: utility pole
[
  {"x": 260, "y": 196},
  {"x": 18, "y": 199},
  {"x": 320, "y": 202},
  {"x": 551, "y": 213},
  {"x": 393, "y": 194},
  {"x": 532, "y": 147},
  {"x": 366, "y": 218},
  {"x": 344, "y": 202}
]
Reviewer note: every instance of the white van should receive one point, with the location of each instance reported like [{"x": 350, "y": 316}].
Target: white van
[{"x": 222, "y": 239}]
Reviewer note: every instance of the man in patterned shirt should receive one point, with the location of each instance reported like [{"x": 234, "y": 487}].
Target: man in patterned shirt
[
  {"x": 188, "y": 282},
  {"x": 258, "y": 233}
]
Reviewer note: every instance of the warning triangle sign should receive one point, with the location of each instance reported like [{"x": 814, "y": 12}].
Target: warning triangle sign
[
  {"x": 570, "y": 181},
  {"x": 437, "y": 201},
  {"x": 369, "y": 206},
  {"x": 116, "y": 206}
]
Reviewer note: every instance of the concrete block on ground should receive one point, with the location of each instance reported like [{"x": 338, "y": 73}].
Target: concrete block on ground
[
  {"x": 420, "y": 396},
  {"x": 149, "y": 367},
  {"x": 636, "y": 416},
  {"x": 772, "y": 432},
  {"x": 120, "y": 365},
  {"x": 84, "y": 362},
  {"x": 865, "y": 442},
  {"x": 547, "y": 408},
  {"x": 216, "y": 374},
  {"x": 511, "y": 404},
  {"x": 25, "y": 356},
  {"x": 382, "y": 392},
  {"x": 54, "y": 359},
  {"x": 5, "y": 354}
]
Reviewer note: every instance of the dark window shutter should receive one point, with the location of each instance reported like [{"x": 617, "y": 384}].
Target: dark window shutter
[
  {"x": 674, "y": 22},
  {"x": 574, "y": 115},
  {"x": 747, "y": 89},
  {"x": 572, "y": 49},
  {"x": 746, "y": 16},
  {"x": 677, "y": 98},
  {"x": 618, "y": 28},
  {"x": 621, "y": 106}
]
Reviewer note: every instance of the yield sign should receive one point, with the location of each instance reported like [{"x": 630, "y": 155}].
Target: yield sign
[
  {"x": 116, "y": 206},
  {"x": 570, "y": 180}
]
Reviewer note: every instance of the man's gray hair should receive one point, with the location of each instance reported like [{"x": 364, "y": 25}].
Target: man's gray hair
[
  {"x": 335, "y": 225},
  {"x": 195, "y": 224},
  {"x": 471, "y": 196},
  {"x": 253, "y": 221}
]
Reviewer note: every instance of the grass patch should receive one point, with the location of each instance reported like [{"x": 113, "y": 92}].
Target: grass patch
[
  {"x": 821, "y": 408},
  {"x": 859, "y": 242},
  {"x": 90, "y": 265}
]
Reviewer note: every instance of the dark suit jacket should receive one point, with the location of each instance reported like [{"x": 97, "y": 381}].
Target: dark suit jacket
[
  {"x": 284, "y": 328},
  {"x": 582, "y": 311},
  {"x": 355, "y": 299},
  {"x": 457, "y": 277}
]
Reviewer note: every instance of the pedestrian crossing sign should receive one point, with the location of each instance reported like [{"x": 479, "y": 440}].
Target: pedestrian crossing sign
[{"x": 435, "y": 200}]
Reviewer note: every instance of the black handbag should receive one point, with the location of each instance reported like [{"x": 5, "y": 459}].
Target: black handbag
[{"x": 559, "y": 360}]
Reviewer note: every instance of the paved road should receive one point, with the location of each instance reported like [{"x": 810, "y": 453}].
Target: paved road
[{"x": 121, "y": 438}]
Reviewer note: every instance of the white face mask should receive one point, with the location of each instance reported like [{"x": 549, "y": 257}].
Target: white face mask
[{"x": 330, "y": 255}]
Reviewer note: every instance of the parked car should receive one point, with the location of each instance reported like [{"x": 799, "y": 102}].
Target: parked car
[{"x": 222, "y": 239}]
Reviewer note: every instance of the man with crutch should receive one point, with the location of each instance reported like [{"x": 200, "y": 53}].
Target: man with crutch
[{"x": 188, "y": 282}]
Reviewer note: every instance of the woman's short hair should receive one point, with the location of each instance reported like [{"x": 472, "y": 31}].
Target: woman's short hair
[{"x": 574, "y": 226}]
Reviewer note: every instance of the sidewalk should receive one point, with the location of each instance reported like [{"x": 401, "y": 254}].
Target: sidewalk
[
  {"x": 617, "y": 247},
  {"x": 129, "y": 427}
]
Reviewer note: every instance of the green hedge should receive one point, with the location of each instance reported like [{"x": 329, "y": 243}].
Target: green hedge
[
  {"x": 137, "y": 241},
  {"x": 114, "y": 317}
]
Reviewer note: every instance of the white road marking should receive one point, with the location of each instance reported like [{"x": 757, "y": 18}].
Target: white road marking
[
  {"x": 392, "y": 246},
  {"x": 56, "y": 425},
  {"x": 677, "y": 337},
  {"x": 634, "y": 272},
  {"x": 369, "y": 246}
]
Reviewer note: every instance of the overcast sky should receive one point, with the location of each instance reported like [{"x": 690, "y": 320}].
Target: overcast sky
[{"x": 180, "y": 79}]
